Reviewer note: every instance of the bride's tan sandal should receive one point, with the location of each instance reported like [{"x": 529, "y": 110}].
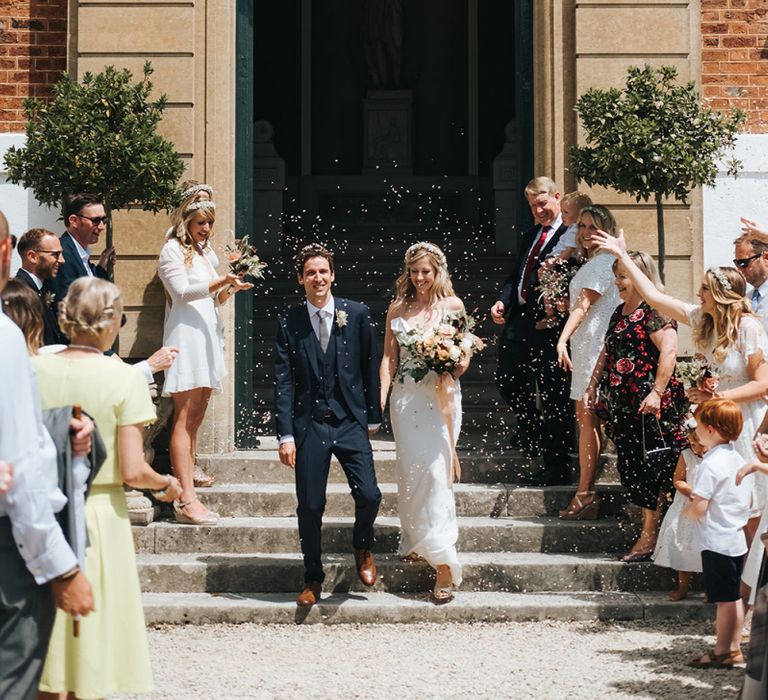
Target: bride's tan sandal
[{"x": 578, "y": 510}]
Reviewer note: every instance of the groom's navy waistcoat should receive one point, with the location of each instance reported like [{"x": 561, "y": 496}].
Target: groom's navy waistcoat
[{"x": 329, "y": 396}]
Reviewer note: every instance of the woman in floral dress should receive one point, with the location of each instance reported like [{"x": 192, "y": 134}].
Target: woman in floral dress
[{"x": 636, "y": 384}]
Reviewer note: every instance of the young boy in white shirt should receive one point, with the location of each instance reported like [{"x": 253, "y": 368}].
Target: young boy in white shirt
[{"x": 721, "y": 509}]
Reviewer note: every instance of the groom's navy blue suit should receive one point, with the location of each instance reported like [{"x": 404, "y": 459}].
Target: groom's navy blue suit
[{"x": 326, "y": 401}]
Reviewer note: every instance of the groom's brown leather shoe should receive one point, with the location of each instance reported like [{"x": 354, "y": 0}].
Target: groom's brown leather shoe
[
  {"x": 310, "y": 595},
  {"x": 366, "y": 567}
]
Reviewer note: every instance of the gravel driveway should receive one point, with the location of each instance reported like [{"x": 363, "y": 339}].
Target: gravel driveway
[{"x": 514, "y": 660}]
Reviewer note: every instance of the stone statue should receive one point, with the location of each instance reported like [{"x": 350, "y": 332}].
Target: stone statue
[{"x": 383, "y": 42}]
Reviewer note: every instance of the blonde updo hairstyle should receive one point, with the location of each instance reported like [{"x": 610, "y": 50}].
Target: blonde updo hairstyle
[
  {"x": 441, "y": 288},
  {"x": 90, "y": 308},
  {"x": 720, "y": 330}
]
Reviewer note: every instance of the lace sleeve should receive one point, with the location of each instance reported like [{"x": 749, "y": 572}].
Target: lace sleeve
[
  {"x": 693, "y": 312},
  {"x": 601, "y": 277},
  {"x": 752, "y": 338}
]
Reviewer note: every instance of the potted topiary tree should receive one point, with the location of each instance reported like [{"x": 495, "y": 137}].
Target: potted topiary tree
[
  {"x": 99, "y": 136},
  {"x": 653, "y": 139}
]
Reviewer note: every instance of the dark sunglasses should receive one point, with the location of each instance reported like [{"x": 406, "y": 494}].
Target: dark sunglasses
[
  {"x": 55, "y": 253},
  {"x": 95, "y": 220},
  {"x": 744, "y": 262}
]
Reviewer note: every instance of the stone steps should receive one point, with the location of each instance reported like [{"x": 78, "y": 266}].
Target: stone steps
[
  {"x": 369, "y": 608},
  {"x": 478, "y": 500},
  {"x": 476, "y": 534},
  {"x": 484, "y": 464},
  {"x": 516, "y": 572}
]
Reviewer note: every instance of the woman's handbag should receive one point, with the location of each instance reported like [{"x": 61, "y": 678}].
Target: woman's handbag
[{"x": 660, "y": 461}]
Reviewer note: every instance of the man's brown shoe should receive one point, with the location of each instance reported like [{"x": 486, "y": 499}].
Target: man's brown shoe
[
  {"x": 366, "y": 567},
  {"x": 310, "y": 595}
]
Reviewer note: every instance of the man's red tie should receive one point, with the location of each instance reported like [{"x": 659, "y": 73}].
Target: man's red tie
[{"x": 532, "y": 257}]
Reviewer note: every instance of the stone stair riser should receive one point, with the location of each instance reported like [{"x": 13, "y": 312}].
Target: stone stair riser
[{"x": 507, "y": 536}]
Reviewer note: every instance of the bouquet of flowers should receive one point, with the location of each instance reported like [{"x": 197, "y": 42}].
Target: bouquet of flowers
[
  {"x": 554, "y": 279},
  {"x": 441, "y": 348},
  {"x": 243, "y": 260},
  {"x": 696, "y": 373}
]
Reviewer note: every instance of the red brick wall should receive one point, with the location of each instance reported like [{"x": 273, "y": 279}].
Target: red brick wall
[
  {"x": 734, "y": 58},
  {"x": 33, "y": 54}
]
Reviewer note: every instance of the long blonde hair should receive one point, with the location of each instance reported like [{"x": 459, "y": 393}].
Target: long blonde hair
[
  {"x": 441, "y": 288},
  {"x": 23, "y": 307},
  {"x": 721, "y": 329},
  {"x": 181, "y": 231}
]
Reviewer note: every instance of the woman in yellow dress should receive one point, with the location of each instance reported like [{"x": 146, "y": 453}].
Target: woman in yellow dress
[{"x": 111, "y": 653}]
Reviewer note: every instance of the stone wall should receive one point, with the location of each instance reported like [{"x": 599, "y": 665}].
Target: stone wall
[
  {"x": 33, "y": 54},
  {"x": 734, "y": 72}
]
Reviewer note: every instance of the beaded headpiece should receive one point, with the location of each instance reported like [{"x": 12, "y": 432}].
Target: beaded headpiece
[
  {"x": 201, "y": 204},
  {"x": 722, "y": 280},
  {"x": 194, "y": 189},
  {"x": 429, "y": 248}
]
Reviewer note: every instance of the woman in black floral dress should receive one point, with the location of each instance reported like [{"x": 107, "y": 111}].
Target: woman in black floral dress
[{"x": 636, "y": 384}]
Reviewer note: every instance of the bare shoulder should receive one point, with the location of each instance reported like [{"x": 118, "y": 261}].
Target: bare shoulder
[
  {"x": 395, "y": 309},
  {"x": 453, "y": 304}
]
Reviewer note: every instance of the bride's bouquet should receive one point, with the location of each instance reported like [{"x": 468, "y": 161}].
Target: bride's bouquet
[
  {"x": 243, "y": 260},
  {"x": 442, "y": 348},
  {"x": 696, "y": 373}
]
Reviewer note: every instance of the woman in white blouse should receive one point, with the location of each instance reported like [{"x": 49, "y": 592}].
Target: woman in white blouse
[{"x": 194, "y": 291}]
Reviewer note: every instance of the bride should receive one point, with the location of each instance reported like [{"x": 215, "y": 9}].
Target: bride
[{"x": 425, "y": 424}]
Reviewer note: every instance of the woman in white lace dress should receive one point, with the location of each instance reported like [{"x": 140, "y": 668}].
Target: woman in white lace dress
[
  {"x": 735, "y": 346},
  {"x": 194, "y": 291},
  {"x": 425, "y": 425},
  {"x": 593, "y": 299}
]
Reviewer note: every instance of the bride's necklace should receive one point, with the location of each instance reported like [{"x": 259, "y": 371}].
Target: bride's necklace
[{"x": 87, "y": 348}]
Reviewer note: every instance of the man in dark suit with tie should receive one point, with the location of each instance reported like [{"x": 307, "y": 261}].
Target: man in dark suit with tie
[
  {"x": 327, "y": 399},
  {"x": 86, "y": 220},
  {"x": 41, "y": 258},
  {"x": 527, "y": 357}
]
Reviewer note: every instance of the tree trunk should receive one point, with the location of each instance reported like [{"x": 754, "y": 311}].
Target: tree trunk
[
  {"x": 660, "y": 234},
  {"x": 108, "y": 242}
]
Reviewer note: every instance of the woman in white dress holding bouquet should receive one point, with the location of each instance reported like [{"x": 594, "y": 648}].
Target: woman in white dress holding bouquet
[
  {"x": 427, "y": 347},
  {"x": 194, "y": 291}
]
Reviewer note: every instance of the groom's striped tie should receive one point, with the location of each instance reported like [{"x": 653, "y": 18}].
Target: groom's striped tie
[{"x": 322, "y": 330}]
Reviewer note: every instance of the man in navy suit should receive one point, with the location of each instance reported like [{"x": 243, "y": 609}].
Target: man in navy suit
[
  {"x": 527, "y": 354},
  {"x": 86, "y": 220},
  {"x": 41, "y": 257},
  {"x": 327, "y": 399}
]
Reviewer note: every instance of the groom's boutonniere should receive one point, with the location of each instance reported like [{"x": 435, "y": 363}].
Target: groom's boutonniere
[
  {"x": 50, "y": 297},
  {"x": 341, "y": 318}
]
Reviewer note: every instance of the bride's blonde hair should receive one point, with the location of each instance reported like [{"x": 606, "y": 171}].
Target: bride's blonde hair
[
  {"x": 441, "y": 288},
  {"x": 720, "y": 329}
]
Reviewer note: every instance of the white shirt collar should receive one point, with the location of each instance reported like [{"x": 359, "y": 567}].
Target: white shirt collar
[
  {"x": 328, "y": 308},
  {"x": 763, "y": 289},
  {"x": 84, "y": 253},
  {"x": 38, "y": 282}
]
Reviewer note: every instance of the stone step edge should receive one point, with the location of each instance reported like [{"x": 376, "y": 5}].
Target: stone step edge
[
  {"x": 369, "y": 608},
  {"x": 288, "y": 487}
]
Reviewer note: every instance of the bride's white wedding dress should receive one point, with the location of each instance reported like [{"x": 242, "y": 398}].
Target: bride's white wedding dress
[{"x": 424, "y": 459}]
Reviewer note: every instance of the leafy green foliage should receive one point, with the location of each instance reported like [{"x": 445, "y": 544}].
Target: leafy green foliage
[
  {"x": 652, "y": 138},
  {"x": 99, "y": 136}
]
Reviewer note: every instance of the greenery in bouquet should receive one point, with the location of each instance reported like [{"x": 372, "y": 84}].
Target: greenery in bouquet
[
  {"x": 554, "y": 280},
  {"x": 439, "y": 349},
  {"x": 243, "y": 260}
]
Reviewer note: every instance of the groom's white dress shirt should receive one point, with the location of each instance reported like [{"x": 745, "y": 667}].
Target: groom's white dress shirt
[
  {"x": 760, "y": 304},
  {"x": 29, "y": 504}
]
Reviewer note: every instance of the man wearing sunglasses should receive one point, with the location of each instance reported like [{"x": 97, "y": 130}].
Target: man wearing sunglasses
[
  {"x": 86, "y": 220},
  {"x": 41, "y": 257},
  {"x": 751, "y": 259}
]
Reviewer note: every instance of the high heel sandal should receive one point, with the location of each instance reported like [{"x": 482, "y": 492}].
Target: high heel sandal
[
  {"x": 578, "y": 510},
  {"x": 441, "y": 595},
  {"x": 210, "y": 518},
  {"x": 201, "y": 480}
]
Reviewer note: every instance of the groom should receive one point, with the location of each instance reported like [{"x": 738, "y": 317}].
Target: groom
[{"x": 327, "y": 403}]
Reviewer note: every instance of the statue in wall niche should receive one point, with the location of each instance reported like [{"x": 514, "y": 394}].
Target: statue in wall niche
[{"x": 383, "y": 42}]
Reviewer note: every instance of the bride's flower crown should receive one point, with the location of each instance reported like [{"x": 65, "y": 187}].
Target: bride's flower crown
[
  {"x": 202, "y": 204},
  {"x": 722, "y": 280},
  {"x": 194, "y": 189},
  {"x": 429, "y": 248}
]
